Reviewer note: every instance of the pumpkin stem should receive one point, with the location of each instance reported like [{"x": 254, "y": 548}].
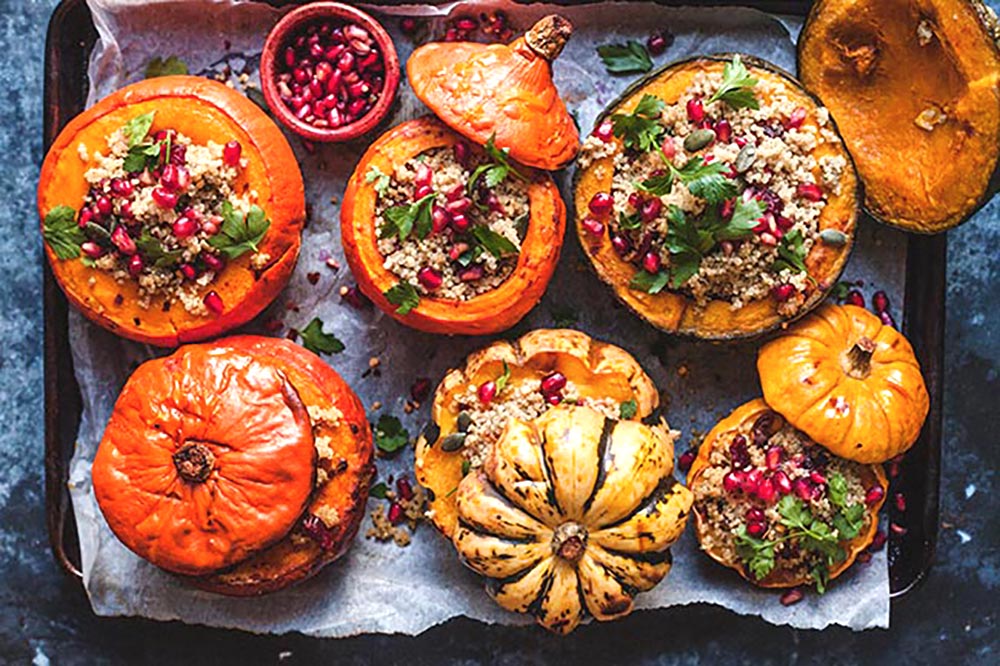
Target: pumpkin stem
[
  {"x": 194, "y": 462},
  {"x": 548, "y": 37},
  {"x": 569, "y": 541},
  {"x": 858, "y": 362}
]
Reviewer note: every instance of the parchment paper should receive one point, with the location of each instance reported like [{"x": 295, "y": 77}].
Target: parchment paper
[{"x": 378, "y": 587}]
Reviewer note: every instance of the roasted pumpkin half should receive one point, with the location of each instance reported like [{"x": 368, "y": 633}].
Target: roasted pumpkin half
[
  {"x": 450, "y": 237},
  {"x": 244, "y": 463},
  {"x": 716, "y": 198},
  {"x": 171, "y": 210},
  {"x": 915, "y": 88},
  {"x": 522, "y": 379},
  {"x": 848, "y": 381},
  {"x": 501, "y": 92},
  {"x": 572, "y": 513},
  {"x": 777, "y": 507}
]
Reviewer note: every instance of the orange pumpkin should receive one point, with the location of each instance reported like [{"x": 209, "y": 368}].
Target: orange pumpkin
[
  {"x": 205, "y": 111},
  {"x": 501, "y": 91},
  {"x": 225, "y": 454},
  {"x": 848, "y": 381},
  {"x": 486, "y": 313}
]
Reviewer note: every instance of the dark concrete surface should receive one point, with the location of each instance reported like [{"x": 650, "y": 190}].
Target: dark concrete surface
[{"x": 45, "y": 617}]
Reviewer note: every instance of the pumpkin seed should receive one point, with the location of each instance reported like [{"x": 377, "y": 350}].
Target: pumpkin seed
[
  {"x": 745, "y": 159},
  {"x": 464, "y": 421},
  {"x": 453, "y": 442},
  {"x": 698, "y": 139},
  {"x": 833, "y": 237},
  {"x": 96, "y": 232},
  {"x": 431, "y": 433}
]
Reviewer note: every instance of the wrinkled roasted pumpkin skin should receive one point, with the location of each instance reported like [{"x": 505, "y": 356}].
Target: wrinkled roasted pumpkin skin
[
  {"x": 865, "y": 61},
  {"x": 205, "y": 111},
  {"x": 674, "y": 312},
  {"x": 572, "y": 514},
  {"x": 848, "y": 381},
  {"x": 720, "y": 436},
  {"x": 345, "y": 491},
  {"x": 487, "y": 313},
  {"x": 598, "y": 369}
]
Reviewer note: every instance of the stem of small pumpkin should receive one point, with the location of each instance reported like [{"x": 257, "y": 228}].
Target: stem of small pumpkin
[
  {"x": 194, "y": 462},
  {"x": 548, "y": 36},
  {"x": 859, "y": 358}
]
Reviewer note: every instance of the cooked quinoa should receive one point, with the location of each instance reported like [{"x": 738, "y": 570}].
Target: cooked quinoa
[
  {"x": 451, "y": 261},
  {"x": 777, "y": 169},
  {"x": 750, "y": 475},
  {"x": 152, "y": 218}
]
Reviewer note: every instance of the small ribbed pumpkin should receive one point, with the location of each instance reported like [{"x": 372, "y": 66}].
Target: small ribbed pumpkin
[
  {"x": 848, "y": 381},
  {"x": 572, "y": 514}
]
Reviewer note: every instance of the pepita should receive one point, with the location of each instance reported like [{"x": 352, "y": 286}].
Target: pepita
[
  {"x": 453, "y": 442},
  {"x": 833, "y": 237},
  {"x": 698, "y": 139},
  {"x": 745, "y": 159},
  {"x": 464, "y": 421}
]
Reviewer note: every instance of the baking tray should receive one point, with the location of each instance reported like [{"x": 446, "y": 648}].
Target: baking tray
[{"x": 70, "y": 39}]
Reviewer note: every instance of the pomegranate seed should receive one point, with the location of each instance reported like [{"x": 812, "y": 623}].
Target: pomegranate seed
[
  {"x": 423, "y": 176},
  {"x": 455, "y": 193},
  {"x": 175, "y": 178},
  {"x": 880, "y": 301},
  {"x": 755, "y": 529},
  {"x": 651, "y": 263},
  {"x": 487, "y": 391},
  {"x": 738, "y": 452},
  {"x": 459, "y": 205},
  {"x": 751, "y": 481},
  {"x": 104, "y": 206},
  {"x": 460, "y": 222},
  {"x": 213, "y": 302},
  {"x": 553, "y": 399},
  {"x": 767, "y": 238},
  {"x": 900, "y": 502},
  {"x": 408, "y": 26},
  {"x": 669, "y": 148},
  {"x": 553, "y": 383},
  {"x": 657, "y": 43},
  {"x": 123, "y": 241},
  {"x": 592, "y": 226},
  {"x": 346, "y": 61},
  {"x": 773, "y": 457},
  {"x": 121, "y": 187},
  {"x": 695, "y": 110},
  {"x": 874, "y": 495},
  {"x": 887, "y": 319},
  {"x": 92, "y": 249},
  {"x": 185, "y": 227},
  {"x": 723, "y": 131},
  {"x": 854, "y": 297},
  {"x": 457, "y": 250},
  {"x": 731, "y": 481},
  {"x": 784, "y": 224},
  {"x": 783, "y": 292},
  {"x": 188, "y": 271},
  {"x": 766, "y": 491},
  {"x": 620, "y": 244},
  {"x": 687, "y": 459},
  {"x": 290, "y": 57},
  {"x": 755, "y": 515},
  {"x": 163, "y": 198},
  {"x": 461, "y": 150},
  {"x": 791, "y": 597},
  {"x": 803, "y": 489},
  {"x": 796, "y": 119},
  {"x": 214, "y": 263},
  {"x": 395, "y": 513},
  {"x": 86, "y": 215},
  {"x": 781, "y": 483},
  {"x": 466, "y": 24},
  {"x": 404, "y": 489},
  {"x": 231, "y": 153},
  {"x": 651, "y": 209},
  {"x": 605, "y": 131},
  {"x": 635, "y": 201},
  {"x": 422, "y": 191},
  {"x": 439, "y": 219},
  {"x": 471, "y": 274},
  {"x": 878, "y": 541},
  {"x": 810, "y": 192},
  {"x": 601, "y": 204},
  {"x": 897, "y": 529},
  {"x": 135, "y": 265},
  {"x": 429, "y": 278}
]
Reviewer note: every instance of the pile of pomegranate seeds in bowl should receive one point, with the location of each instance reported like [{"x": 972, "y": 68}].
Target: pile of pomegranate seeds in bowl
[{"x": 329, "y": 72}]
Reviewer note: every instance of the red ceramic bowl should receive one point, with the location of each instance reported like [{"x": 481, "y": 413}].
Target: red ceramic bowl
[{"x": 273, "y": 65}]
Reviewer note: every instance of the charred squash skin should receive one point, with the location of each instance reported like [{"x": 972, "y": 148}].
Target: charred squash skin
[
  {"x": 719, "y": 436},
  {"x": 879, "y": 65},
  {"x": 674, "y": 312},
  {"x": 491, "y": 312},
  {"x": 203, "y": 110}
]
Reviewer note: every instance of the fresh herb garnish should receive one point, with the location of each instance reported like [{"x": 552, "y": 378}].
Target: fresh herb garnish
[
  {"x": 390, "y": 435},
  {"x": 628, "y": 409},
  {"x": 497, "y": 245},
  {"x": 841, "y": 289},
  {"x": 641, "y": 129},
  {"x": 791, "y": 253},
  {"x": 649, "y": 282},
  {"x": 404, "y": 295},
  {"x": 503, "y": 379},
  {"x": 757, "y": 554},
  {"x": 469, "y": 256},
  {"x": 403, "y": 219},
  {"x": 141, "y": 157},
  {"x": 62, "y": 232},
  {"x": 381, "y": 180},
  {"x": 318, "y": 342},
  {"x": 466, "y": 466},
  {"x": 152, "y": 249},
  {"x": 629, "y": 58},
  {"x": 496, "y": 170},
  {"x": 379, "y": 490},
  {"x": 240, "y": 234},
  {"x": 705, "y": 181},
  {"x": 737, "y": 86},
  {"x": 629, "y": 222},
  {"x": 165, "y": 67},
  {"x": 137, "y": 128}
]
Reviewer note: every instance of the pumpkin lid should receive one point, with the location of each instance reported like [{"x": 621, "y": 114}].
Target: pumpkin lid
[
  {"x": 501, "y": 91},
  {"x": 208, "y": 457}
]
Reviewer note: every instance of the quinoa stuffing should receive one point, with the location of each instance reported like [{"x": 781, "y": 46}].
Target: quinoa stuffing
[
  {"x": 451, "y": 222},
  {"x": 776, "y": 502},
  {"x": 399, "y": 519},
  {"x": 717, "y": 195},
  {"x": 164, "y": 212}
]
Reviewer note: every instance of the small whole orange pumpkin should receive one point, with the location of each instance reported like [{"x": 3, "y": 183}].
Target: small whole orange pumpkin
[
  {"x": 848, "y": 381},
  {"x": 501, "y": 91}
]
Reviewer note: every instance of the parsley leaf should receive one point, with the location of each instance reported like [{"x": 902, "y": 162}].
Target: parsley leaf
[
  {"x": 140, "y": 157},
  {"x": 705, "y": 181},
  {"x": 165, "y": 67},
  {"x": 381, "y": 180},
  {"x": 404, "y": 295},
  {"x": 466, "y": 467},
  {"x": 238, "y": 234},
  {"x": 390, "y": 435},
  {"x": 849, "y": 521},
  {"x": 405, "y": 218},
  {"x": 62, "y": 232},
  {"x": 152, "y": 249},
  {"x": 629, "y": 222},
  {"x": 629, "y": 58},
  {"x": 837, "y": 489},
  {"x": 137, "y": 128},
  {"x": 496, "y": 170},
  {"x": 318, "y": 342},
  {"x": 648, "y": 282},
  {"x": 737, "y": 85},
  {"x": 791, "y": 253},
  {"x": 743, "y": 221},
  {"x": 379, "y": 490},
  {"x": 641, "y": 129},
  {"x": 628, "y": 409},
  {"x": 841, "y": 289},
  {"x": 495, "y": 244},
  {"x": 501, "y": 381},
  {"x": 758, "y": 554}
]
